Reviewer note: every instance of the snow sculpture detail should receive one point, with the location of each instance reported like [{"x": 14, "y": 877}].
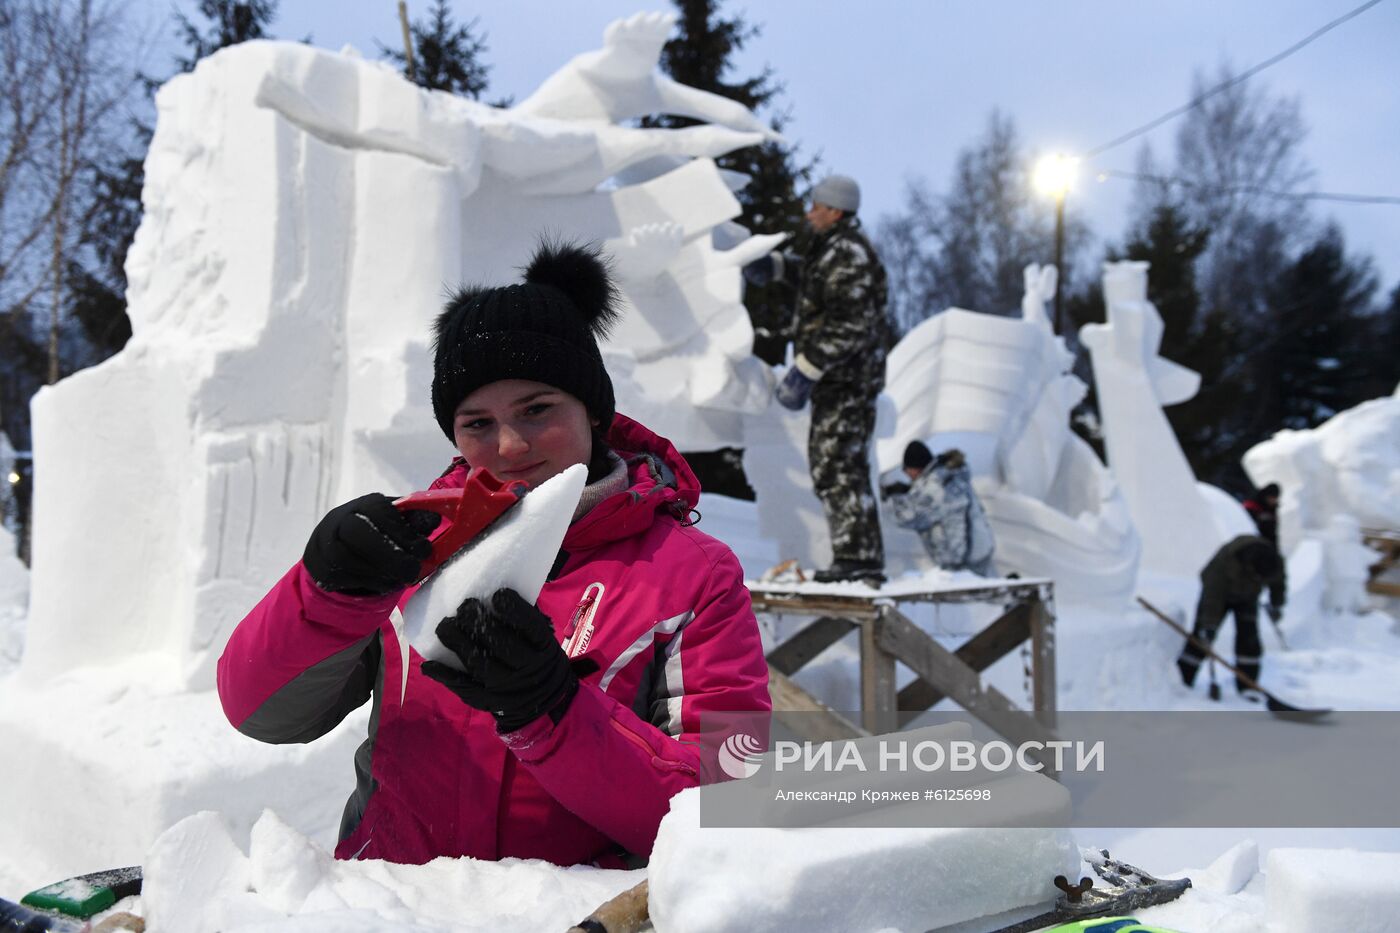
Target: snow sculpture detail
[
  {"x": 304, "y": 213},
  {"x": 1134, "y": 383}
]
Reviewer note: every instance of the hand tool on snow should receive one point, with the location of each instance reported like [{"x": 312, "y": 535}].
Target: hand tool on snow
[
  {"x": 1126, "y": 888},
  {"x": 625, "y": 913},
  {"x": 1294, "y": 713}
]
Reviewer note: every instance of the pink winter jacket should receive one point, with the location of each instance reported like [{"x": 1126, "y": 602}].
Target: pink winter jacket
[{"x": 673, "y": 637}]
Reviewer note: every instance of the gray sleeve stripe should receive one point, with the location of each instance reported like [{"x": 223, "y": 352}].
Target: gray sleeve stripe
[
  {"x": 316, "y": 700},
  {"x": 664, "y": 627}
]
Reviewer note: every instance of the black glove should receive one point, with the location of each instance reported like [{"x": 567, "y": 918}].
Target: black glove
[
  {"x": 366, "y": 547},
  {"x": 894, "y": 489},
  {"x": 1275, "y": 612},
  {"x": 759, "y": 272},
  {"x": 515, "y": 668}
]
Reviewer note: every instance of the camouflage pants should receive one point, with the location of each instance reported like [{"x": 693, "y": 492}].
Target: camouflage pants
[{"x": 838, "y": 453}]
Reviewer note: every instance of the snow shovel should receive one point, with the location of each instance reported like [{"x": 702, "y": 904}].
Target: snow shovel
[
  {"x": 481, "y": 500},
  {"x": 1274, "y": 704},
  {"x": 626, "y": 913}
]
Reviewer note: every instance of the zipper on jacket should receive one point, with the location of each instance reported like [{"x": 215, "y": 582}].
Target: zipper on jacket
[{"x": 581, "y": 625}]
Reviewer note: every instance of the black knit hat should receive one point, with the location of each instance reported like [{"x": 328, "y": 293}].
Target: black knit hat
[
  {"x": 545, "y": 330},
  {"x": 917, "y": 456}
]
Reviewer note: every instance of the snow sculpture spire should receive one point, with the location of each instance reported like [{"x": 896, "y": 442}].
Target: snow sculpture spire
[{"x": 1179, "y": 532}]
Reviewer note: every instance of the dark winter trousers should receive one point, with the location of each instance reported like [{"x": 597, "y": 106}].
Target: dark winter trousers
[
  {"x": 1210, "y": 613},
  {"x": 838, "y": 453}
]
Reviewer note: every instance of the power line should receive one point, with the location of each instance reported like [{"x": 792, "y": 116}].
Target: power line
[
  {"x": 1251, "y": 189},
  {"x": 1201, "y": 98}
]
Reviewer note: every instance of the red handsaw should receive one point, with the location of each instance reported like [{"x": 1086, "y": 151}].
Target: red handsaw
[{"x": 471, "y": 509}]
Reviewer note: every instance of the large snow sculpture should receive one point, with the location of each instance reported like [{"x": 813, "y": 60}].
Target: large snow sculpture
[
  {"x": 1178, "y": 527},
  {"x": 304, "y": 213}
]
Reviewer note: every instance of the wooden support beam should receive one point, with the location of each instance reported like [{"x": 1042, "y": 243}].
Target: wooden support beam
[
  {"x": 980, "y": 652},
  {"x": 1043, "y": 662},
  {"x": 902, "y": 639},
  {"x": 804, "y": 714},
  {"x": 877, "y": 683},
  {"x": 814, "y": 605},
  {"x": 812, "y": 640}
]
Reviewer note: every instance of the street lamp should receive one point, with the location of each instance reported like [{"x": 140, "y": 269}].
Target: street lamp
[{"x": 1053, "y": 176}]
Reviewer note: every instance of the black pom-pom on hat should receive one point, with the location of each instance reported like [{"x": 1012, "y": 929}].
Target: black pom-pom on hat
[
  {"x": 581, "y": 274},
  {"x": 545, "y": 329}
]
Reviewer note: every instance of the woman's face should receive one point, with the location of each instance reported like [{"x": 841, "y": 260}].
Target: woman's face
[{"x": 522, "y": 430}]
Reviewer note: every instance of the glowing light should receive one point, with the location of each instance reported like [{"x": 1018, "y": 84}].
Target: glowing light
[{"x": 1054, "y": 174}]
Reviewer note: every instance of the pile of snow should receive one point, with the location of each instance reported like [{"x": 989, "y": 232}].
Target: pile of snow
[{"x": 199, "y": 880}]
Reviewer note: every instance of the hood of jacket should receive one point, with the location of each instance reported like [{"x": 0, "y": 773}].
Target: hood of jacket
[{"x": 661, "y": 483}]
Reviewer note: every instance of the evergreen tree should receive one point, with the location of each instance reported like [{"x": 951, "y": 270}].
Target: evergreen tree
[
  {"x": 447, "y": 56},
  {"x": 1315, "y": 361},
  {"x": 700, "y": 56},
  {"x": 230, "y": 23}
]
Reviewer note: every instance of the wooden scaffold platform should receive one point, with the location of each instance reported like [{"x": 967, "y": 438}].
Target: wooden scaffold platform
[{"x": 888, "y": 636}]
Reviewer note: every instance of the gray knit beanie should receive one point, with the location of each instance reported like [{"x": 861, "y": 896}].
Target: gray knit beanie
[{"x": 838, "y": 191}]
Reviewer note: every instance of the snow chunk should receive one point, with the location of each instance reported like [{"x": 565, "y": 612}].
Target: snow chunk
[
  {"x": 516, "y": 552},
  {"x": 844, "y": 879},
  {"x": 1332, "y": 889},
  {"x": 1232, "y": 871}
]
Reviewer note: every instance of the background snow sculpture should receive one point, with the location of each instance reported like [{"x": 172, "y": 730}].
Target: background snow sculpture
[
  {"x": 1348, "y": 465},
  {"x": 1336, "y": 479},
  {"x": 305, "y": 213},
  {"x": 1134, "y": 384}
]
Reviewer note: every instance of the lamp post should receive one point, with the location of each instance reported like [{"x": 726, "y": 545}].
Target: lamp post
[{"x": 1053, "y": 175}]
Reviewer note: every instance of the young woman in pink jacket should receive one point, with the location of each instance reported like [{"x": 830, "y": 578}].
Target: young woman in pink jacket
[{"x": 532, "y": 752}]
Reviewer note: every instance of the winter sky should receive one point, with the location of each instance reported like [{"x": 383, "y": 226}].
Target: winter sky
[{"x": 886, "y": 89}]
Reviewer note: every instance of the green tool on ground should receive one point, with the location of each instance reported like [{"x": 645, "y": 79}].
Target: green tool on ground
[
  {"x": 86, "y": 895},
  {"x": 1108, "y": 925}
]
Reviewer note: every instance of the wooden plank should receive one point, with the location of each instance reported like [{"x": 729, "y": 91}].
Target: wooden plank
[
  {"x": 980, "y": 652},
  {"x": 877, "y": 684},
  {"x": 852, "y": 608},
  {"x": 1043, "y": 662},
  {"x": 939, "y": 666},
  {"x": 804, "y": 714},
  {"x": 1383, "y": 588},
  {"x": 812, "y": 640}
]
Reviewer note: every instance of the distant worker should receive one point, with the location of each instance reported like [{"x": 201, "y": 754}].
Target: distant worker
[
  {"x": 1232, "y": 582},
  {"x": 842, "y": 336},
  {"x": 1263, "y": 508},
  {"x": 940, "y": 504}
]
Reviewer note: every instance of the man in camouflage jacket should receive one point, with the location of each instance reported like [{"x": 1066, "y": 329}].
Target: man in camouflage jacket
[
  {"x": 842, "y": 336},
  {"x": 942, "y": 507},
  {"x": 1232, "y": 582}
]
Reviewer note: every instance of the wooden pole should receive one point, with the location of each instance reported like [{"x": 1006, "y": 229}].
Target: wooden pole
[{"x": 407, "y": 39}]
